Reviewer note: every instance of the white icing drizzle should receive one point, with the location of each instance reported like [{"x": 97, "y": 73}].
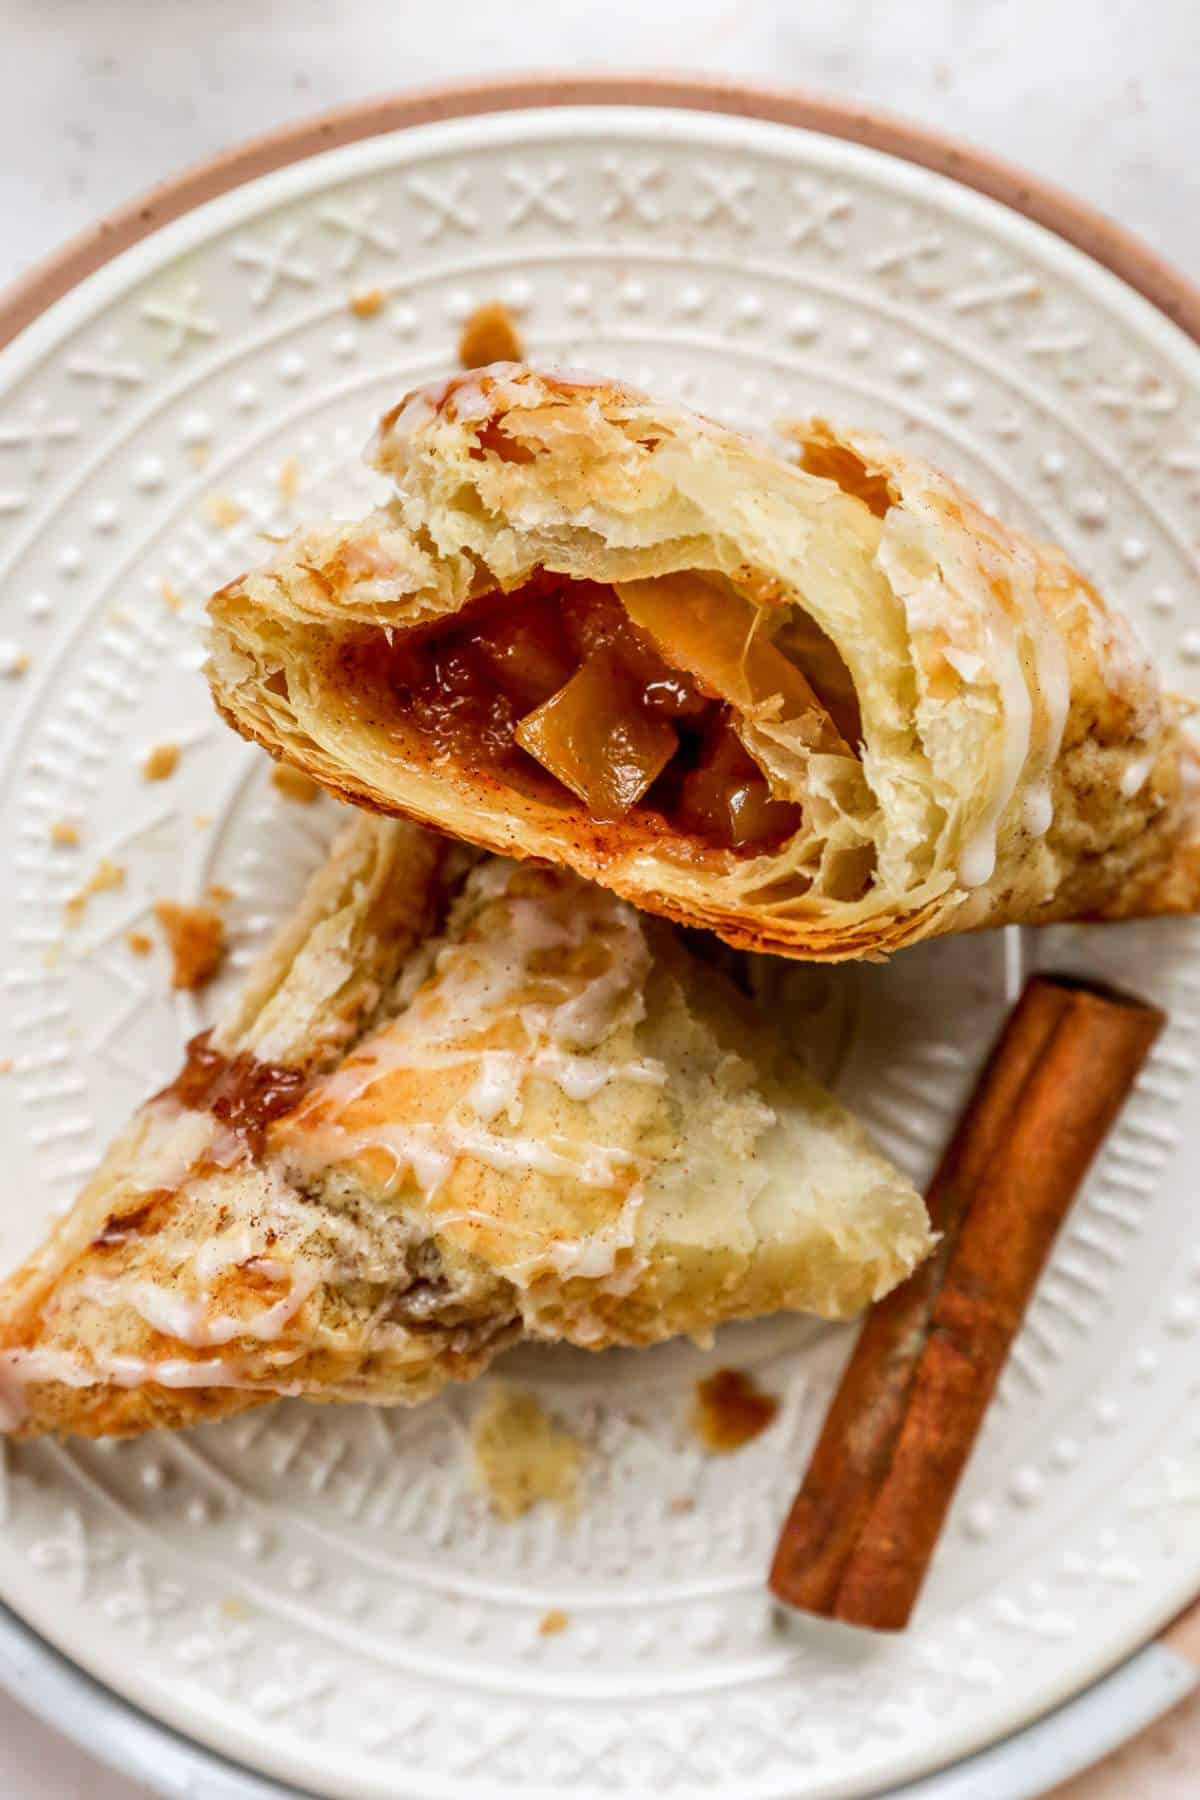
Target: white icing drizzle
[
  {"x": 176, "y": 1138},
  {"x": 1037, "y": 808},
  {"x": 501, "y": 1072},
  {"x": 977, "y": 861},
  {"x": 1023, "y": 654},
  {"x": 191, "y": 1319},
  {"x": 20, "y": 1369},
  {"x": 431, "y": 1151},
  {"x": 964, "y": 662},
  {"x": 582, "y": 1077},
  {"x": 498, "y": 1086},
  {"x": 477, "y": 980},
  {"x": 1054, "y": 696},
  {"x": 1134, "y": 775},
  {"x": 594, "y": 1258},
  {"x": 227, "y": 1251}
]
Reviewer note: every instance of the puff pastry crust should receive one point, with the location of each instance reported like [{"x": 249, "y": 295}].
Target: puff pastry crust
[
  {"x": 936, "y": 723},
  {"x": 403, "y": 1152}
]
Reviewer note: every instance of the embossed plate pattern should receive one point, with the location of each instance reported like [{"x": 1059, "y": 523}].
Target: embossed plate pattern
[{"x": 320, "y": 1593}]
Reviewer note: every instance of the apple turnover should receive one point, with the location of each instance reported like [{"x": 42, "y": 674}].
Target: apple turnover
[
  {"x": 455, "y": 1106},
  {"x": 822, "y": 704}
]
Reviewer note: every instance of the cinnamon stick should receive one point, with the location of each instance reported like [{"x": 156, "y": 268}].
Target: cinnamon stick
[{"x": 860, "y": 1535}]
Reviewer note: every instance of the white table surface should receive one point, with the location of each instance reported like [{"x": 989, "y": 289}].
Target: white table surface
[{"x": 103, "y": 98}]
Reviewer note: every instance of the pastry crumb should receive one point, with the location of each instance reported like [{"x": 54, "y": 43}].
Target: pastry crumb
[
  {"x": 203, "y": 821},
  {"x": 682, "y": 1503},
  {"x": 140, "y": 942},
  {"x": 196, "y": 939},
  {"x": 220, "y": 895},
  {"x": 553, "y": 1622},
  {"x": 294, "y": 785},
  {"x": 6, "y": 1065},
  {"x": 161, "y": 762},
  {"x": 107, "y": 877},
  {"x": 366, "y": 304},
  {"x": 200, "y": 454},
  {"x": 64, "y": 834},
  {"x": 234, "y": 1607},
  {"x": 489, "y": 335},
  {"x": 172, "y": 598},
  {"x": 13, "y": 662},
  {"x": 223, "y": 511},
  {"x": 522, "y": 1455},
  {"x": 729, "y": 1410},
  {"x": 288, "y": 479}
]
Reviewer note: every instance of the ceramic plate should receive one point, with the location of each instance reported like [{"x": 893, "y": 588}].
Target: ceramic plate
[{"x": 321, "y": 1595}]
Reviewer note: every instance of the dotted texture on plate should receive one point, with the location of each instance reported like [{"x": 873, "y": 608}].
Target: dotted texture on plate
[{"x": 322, "y": 1594}]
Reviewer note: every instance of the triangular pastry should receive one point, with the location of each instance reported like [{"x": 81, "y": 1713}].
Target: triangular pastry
[
  {"x": 404, "y": 1152},
  {"x": 824, "y": 705}
]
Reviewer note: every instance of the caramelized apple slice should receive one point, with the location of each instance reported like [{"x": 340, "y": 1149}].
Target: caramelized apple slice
[
  {"x": 523, "y": 647},
  {"x": 710, "y": 632},
  {"x": 594, "y": 619},
  {"x": 596, "y": 738},
  {"x": 726, "y": 798}
]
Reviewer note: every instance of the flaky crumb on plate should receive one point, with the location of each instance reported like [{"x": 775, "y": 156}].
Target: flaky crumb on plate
[
  {"x": 108, "y": 876},
  {"x": 223, "y": 511},
  {"x": 366, "y": 303},
  {"x": 489, "y": 335},
  {"x": 288, "y": 479},
  {"x": 522, "y": 1455},
  {"x": 196, "y": 939},
  {"x": 160, "y": 762}
]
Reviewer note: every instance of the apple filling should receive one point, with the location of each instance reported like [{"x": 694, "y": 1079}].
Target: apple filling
[{"x": 628, "y": 697}]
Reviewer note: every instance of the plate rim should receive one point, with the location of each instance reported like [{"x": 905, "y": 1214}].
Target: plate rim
[
  {"x": 24, "y": 301},
  {"x": 1058, "y": 1744},
  {"x": 1059, "y": 211}
]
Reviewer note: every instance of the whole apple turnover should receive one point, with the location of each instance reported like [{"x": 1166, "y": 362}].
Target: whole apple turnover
[{"x": 453, "y": 1108}]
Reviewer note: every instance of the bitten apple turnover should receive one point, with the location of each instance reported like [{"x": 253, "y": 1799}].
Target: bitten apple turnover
[{"x": 820, "y": 703}]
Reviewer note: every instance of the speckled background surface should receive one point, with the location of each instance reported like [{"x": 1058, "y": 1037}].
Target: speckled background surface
[{"x": 106, "y": 97}]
